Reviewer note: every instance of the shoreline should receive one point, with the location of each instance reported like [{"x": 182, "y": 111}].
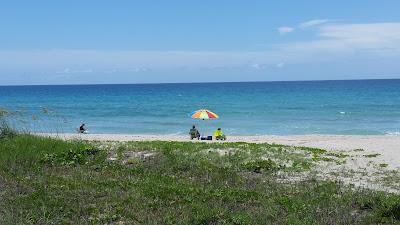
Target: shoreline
[{"x": 387, "y": 146}]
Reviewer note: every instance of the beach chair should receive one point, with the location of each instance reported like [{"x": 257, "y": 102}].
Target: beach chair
[{"x": 221, "y": 138}]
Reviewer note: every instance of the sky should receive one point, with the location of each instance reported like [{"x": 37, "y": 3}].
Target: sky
[{"x": 102, "y": 41}]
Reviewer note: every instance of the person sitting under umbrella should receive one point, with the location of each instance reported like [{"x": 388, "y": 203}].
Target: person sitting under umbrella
[
  {"x": 194, "y": 133},
  {"x": 219, "y": 135}
]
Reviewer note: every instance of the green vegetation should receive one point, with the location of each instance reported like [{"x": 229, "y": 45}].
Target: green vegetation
[
  {"x": 5, "y": 129},
  {"x": 49, "y": 181},
  {"x": 337, "y": 154},
  {"x": 372, "y": 155},
  {"x": 260, "y": 165}
]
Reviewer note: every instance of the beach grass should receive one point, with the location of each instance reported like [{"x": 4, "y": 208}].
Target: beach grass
[{"x": 51, "y": 181}]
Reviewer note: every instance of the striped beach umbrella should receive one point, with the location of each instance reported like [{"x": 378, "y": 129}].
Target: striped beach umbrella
[{"x": 204, "y": 114}]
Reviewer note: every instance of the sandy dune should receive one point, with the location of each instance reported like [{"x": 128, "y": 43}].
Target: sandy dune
[{"x": 386, "y": 145}]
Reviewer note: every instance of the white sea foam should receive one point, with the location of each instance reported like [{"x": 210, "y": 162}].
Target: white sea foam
[{"x": 394, "y": 133}]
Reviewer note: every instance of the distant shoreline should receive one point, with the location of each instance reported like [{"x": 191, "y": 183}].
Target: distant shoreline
[{"x": 199, "y": 82}]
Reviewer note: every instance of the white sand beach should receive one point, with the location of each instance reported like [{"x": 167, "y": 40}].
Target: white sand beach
[{"x": 388, "y": 146}]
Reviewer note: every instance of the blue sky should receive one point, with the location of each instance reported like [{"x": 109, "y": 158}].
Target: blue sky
[{"x": 75, "y": 42}]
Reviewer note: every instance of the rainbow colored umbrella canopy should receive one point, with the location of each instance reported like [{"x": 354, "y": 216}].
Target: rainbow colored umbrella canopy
[{"x": 204, "y": 114}]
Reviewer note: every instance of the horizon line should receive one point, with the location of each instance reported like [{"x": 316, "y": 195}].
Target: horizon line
[{"x": 199, "y": 82}]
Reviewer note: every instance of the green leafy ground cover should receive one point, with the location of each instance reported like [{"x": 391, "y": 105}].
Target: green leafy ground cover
[{"x": 49, "y": 181}]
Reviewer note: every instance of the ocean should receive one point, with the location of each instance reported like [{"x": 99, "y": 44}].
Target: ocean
[{"x": 356, "y": 107}]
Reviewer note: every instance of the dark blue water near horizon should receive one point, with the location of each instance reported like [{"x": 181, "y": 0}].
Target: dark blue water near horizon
[{"x": 245, "y": 108}]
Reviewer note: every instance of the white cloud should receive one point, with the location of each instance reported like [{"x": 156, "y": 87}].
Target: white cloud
[
  {"x": 77, "y": 61},
  {"x": 285, "y": 30},
  {"x": 70, "y": 71},
  {"x": 363, "y": 33},
  {"x": 258, "y": 66},
  {"x": 138, "y": 70},
  {"x": 372, "y": 38},
  {"x": 343, "y": 45},
  {"x": 312, "y": 23},
  {"x": 255, "y": 66}
]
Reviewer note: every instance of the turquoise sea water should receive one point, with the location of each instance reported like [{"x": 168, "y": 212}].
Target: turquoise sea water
[{"x": 248, "y": 108}]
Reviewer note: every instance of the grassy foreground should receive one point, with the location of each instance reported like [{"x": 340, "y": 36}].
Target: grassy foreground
[{"x": 49, "y": 181}]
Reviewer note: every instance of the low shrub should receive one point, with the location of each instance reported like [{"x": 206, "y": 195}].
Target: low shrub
[
  {"x": 77, "y": 156},
  {"x": 259, "y": 165},
  {"x": 392, "y": 211},
  {"x": 6, "y": 131}
]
